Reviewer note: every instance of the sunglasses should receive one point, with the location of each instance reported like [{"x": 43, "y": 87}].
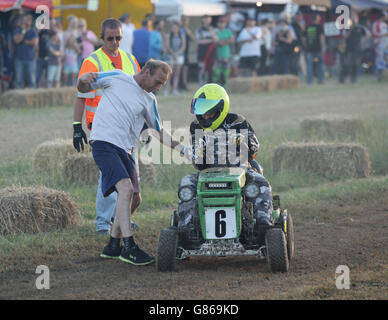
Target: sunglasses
[{"x": 118, "y": 38}]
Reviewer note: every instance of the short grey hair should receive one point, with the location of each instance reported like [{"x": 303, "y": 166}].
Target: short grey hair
[{"x": 153, "y": 65}]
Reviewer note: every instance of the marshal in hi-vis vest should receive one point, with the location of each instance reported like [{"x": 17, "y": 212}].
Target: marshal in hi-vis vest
[{"x": 102, "y": 63}]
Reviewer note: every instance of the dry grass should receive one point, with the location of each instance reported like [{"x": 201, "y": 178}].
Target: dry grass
[
  {"x": 34, "y": 210},
  {"x": 327, "y": 160}
]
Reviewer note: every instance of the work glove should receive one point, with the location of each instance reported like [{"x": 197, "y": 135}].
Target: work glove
[{"x": 78, "y": 135}]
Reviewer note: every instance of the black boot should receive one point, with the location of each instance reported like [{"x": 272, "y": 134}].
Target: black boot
[
  {"x": 131, "y": 253},
  {"x": 112, "y": 250}
]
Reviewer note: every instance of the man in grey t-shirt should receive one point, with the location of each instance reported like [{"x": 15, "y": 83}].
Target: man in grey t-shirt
[{"x": 127, "y": 103}]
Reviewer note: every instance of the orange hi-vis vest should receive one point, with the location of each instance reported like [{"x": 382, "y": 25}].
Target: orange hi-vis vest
[{"x": 98, "y": 61}]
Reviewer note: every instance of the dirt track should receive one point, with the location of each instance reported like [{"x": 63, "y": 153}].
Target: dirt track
[{"x": 326, "y": 235}]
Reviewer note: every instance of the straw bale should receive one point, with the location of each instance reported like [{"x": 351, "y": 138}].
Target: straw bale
[
  {"x": 35, "y": 98},
  {"x": 81, "y": 168},
  {"x": 147, "y": 173},
  {"x": 51, "y": 155},
  {"x": 332, "y": 127},
  {"x": 33, "y": 210},
  {"x": 262, "y": 83},
  {"x": 327, "y": 160},
  {"x": 239, "y": 85},
  {"x": 287, "y": 81}
]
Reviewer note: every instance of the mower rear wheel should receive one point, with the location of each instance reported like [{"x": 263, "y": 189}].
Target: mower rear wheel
[{"x": 276, "y": 244}]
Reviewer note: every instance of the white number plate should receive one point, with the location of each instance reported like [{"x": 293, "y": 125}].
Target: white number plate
[{"x": 220, "y": 223}]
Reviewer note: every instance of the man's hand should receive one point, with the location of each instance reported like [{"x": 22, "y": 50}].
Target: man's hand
[
  {"x": 85, "y": 81},
  {"x": 78, "y": 135}
]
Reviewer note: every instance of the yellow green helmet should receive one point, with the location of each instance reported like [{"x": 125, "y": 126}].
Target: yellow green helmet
[{"x": 210, "y": 98}]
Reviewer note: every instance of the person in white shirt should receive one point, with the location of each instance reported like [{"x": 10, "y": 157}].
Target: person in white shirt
[
  {"x": 380, "y": 34},
  {"x": 126, "y": 104},
  {"x": 250, "y": 39},
  {"x": 128, "y": 28}
]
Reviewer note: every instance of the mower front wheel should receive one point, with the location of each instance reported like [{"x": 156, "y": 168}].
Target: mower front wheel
[{"x": 167, "y": 248}]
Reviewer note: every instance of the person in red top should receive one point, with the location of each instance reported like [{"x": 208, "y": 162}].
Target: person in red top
[{"x": 108, "y": 57}]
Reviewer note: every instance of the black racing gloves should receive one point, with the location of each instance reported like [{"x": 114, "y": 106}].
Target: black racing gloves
[{"x": 78, "y": 135}]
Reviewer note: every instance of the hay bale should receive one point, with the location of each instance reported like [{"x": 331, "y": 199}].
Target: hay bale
[
  {"x": 147, "y": 173},
  {"x": 332, "y": 127},
  {"x": 326, "y": 160},
  {"x": 51, "y": 155},
  {"x": 261, "y": 84},
  {"x": 81, "y": 168},
  {"x": 33, "y": 210},
  {"x": 35, "y": 98},
  {"x": 287, "y": 81},
  {"x": 239, "y": 85}
]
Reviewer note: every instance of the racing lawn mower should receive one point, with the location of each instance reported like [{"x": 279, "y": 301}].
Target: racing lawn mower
[{"x": 216, "y": 218}]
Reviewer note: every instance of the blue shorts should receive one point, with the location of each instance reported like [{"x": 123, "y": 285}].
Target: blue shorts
[{"x": 115, "y": 164}]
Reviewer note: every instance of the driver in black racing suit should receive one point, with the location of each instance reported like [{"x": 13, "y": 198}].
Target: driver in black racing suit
[{"x": 216, "y": 132}]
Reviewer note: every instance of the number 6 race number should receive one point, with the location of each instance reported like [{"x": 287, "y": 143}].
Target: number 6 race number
[{"x": 220, "y": 223}]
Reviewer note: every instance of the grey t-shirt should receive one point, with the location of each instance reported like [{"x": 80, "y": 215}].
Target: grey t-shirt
[{"x": 122, "y": 110}]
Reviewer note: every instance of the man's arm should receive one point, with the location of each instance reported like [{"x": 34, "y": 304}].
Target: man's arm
[
  {"x": 84, "y": 83},
  {"x": 165, "y": 137},
  {"x": 79, "y": 109}
]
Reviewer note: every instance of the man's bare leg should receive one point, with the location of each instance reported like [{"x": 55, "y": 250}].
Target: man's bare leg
[{"x": 121, "y": 224}]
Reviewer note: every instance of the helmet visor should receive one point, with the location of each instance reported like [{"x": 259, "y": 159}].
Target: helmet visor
[{"x": 201, "y": 106}]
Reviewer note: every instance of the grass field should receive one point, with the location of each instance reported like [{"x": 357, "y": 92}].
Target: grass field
[{"x": 276, "y": 117}]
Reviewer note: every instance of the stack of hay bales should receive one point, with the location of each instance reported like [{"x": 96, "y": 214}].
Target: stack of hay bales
[
  {"x": 35, "y": 98},
  {"x": 33, "y": 210},
  {"x": 261, "y": 84},
  {"x": 332, "y": 127},
  {"x": 326, "y": 160}
]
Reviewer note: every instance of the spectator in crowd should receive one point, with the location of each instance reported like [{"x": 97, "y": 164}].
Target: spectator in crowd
[
  {"x": 3, "y": 45},
  {"x": 283, "y": 48},
  {"x": 156, "y": 41},
  {"x": 185, "y": 29},
  {"x": 315, "y": 45},
  {"x": 73, "y": 31},
  {"x": 14, "y": 22},
  {"x": 128, "y": 29},
  {"x": 352, "y": 58},
  {"x": 70, "y": 67},
  {"x": 54, "y": 60},
  {"x": 223, "y": 58},
  {"x": 88, "y": 37},
  {"x": 43, "y": 55},
  {"x": 26, "y": 41},
  {"x": 250, "y": 40},
  {"x": 380, "y": 34},
  {"x": 175, "y": 48},
  {"x": 297, "y": 62},
  {"x": 266, "y": 26},
  {"x": 206, "y": 38},
  {"x": 141, "y": 42},
  {"x": 56, "y": 26}
]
